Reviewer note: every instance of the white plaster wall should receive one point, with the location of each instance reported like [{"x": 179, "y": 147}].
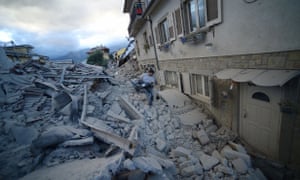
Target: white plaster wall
[{"x": 263, "y": 26}]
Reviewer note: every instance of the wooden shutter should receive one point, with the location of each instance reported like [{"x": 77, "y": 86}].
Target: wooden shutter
[
  {"x": 213, "y": 12},
  {"x": 162, "y": 78},
  {"x": 186, "y": 83},
  {"x": 171, "y": 27},
  {"x": 178, "y": 21},
  {"x": 157, "y": 35}
]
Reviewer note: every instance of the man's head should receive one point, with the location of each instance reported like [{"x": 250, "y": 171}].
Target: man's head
[{"x": 150, "y": 71}]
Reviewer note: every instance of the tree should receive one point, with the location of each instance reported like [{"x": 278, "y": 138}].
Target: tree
[{"x": 97, "y": 59}]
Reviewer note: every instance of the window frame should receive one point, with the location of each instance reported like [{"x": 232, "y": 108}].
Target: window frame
[
  {"x": 187, "y": 21},
  {"x": 171, "y": 79},
  {"x": 169, "y": 31},
  {"x": 205, "y": 85},
  {"x": 163, "y": 31}
]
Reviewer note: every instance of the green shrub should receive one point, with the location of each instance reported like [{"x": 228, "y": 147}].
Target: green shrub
[{"x": 97, "y": 59}]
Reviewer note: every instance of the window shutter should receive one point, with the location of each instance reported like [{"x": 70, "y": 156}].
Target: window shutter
[
  {"x": 162, "y": 78},
  {"x": 171, "y": 27},
  {"x": 157, "y": 35},
  {"x": 186, "y": 83},
  {"x": 214, "y": 12},
  {"x": 178, "y": 21}
]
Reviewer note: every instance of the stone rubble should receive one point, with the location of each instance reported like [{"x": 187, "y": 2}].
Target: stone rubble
[{"x": 43, "y": 125}]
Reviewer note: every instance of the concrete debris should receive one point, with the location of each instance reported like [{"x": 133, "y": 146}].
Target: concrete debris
[
  {"x": 24, "y": 135},
  {"x": 147, "y": 164},
  {"x": 207, "y": 161},
  {"x": 240, "y": 165},
  {"x": 181, "y": 151},
  {"x": 128, "y": 164},
  {"x": 53, "y": 114},
  {"x": 57, "y": 135},
  {"x": 230, "y": 154}
]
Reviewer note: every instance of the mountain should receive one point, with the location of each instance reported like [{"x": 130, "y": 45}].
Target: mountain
[
  {"x": 77, "y": 56},
  {"x": 80, "y": 55}
]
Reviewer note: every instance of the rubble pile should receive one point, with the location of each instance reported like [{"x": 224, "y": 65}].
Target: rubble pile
[{"x": 54, "y": 114}]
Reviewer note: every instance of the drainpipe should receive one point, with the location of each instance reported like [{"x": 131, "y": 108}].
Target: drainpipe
[{"x": 154, "y": 44}]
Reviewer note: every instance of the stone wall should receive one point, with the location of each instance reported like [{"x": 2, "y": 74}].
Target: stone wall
[{"x": 226, "y": 111}]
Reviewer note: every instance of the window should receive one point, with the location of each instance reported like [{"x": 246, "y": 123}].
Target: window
[
  {"x": 200, "y": 14},
  {"x": 163, "y": 31},
  {"x": 171, "y": 78},
  {"x": 137, "y": 47},
  {"x": 178, "y": 21},
  {"x": 150, "y": 41},
  {"x": 200, "y": 85},
  {"x": 261, "y": 96},
  {"x": 145, "y": 38},
  {"x": 146, "y": 43}
]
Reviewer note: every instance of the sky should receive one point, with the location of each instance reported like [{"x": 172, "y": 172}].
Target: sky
[{"x": 56, "y": 27}]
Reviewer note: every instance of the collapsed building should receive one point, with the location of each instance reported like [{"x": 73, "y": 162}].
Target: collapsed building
[{"x": 76, "y": 121}]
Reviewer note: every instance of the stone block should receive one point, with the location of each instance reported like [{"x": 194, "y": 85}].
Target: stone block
[
  {"x": 186, "y": 164},
  {"x": 161, "y": 145},
  {"x": 217, "y": 155},
  {"x": 128, "y": 164},
  {"x": 202, "y": 137},
  {"x": 208, "y": 161},
  {"x": 181, "y": 151},
  {"x": 147, "y": 164},
  {"x": 24, "y": 135},
  {"x": 188, "y": 171},
  {"x": 224, "y": 169},
  {"x": 211, "y": 128},
  {"x": 166, "y": 164},
  {"x": 207, "y": 123},
  {"x": 116, "y": 108},
  {"x": 237, "y": 147},
  {"x": 230, "y": 154},
  {"x": 240, "y": 166}
]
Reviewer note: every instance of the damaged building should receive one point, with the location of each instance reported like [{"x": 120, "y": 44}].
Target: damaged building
[{"x": 237, "y": 59}]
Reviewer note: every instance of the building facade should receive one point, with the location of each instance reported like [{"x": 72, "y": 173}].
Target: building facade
[
  {"x": 238, "y": 59},
  {"x": 22, "y": 53}
]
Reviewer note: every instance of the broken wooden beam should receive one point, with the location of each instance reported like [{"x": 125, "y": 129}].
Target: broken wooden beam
[
  {"x": 130, "y": 110},
  {"x": 84, "y": 106},
  {"x": 102, "y": 76},
  {"x": 108, "y": 137},
  {"x": 118, "y": 117},
  {"x": 78, "y": 142}
]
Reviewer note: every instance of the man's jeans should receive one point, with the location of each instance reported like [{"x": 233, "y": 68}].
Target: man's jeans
[{"x": 149, "y": 92}]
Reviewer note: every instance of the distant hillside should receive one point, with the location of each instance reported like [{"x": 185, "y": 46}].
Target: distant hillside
[
  {"x": 80, "y": 55},
  {"x": 77, "y": 56}
]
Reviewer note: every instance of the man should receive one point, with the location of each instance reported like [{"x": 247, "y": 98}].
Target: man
[{"x": 148, "y": 80}]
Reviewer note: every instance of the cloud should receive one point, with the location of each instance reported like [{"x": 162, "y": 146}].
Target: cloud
[{"x": 59, "y": 25}]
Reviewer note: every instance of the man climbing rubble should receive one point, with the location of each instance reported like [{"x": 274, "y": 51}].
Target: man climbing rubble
[{"x": 146, "y": 82}]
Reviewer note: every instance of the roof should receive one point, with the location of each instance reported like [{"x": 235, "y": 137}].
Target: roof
[{"x": 260, "y": 77}]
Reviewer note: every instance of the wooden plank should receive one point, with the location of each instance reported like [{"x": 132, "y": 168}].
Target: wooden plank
[{"x": 108, "y": 137}]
